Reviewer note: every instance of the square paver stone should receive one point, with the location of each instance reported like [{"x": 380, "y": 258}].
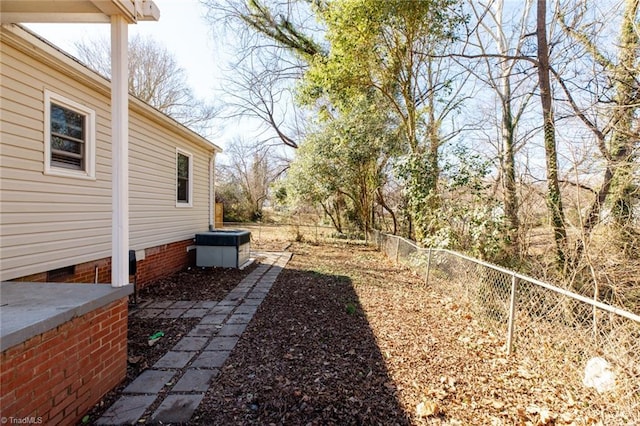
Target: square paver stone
[
  {"x": 150, "y": 381},
  {"x": 195, "y": 380},
  {"x": 126, "y": 410},
  {"x": 204, "y": 330},
  {"x": 195, "y": 313},
  {"x": 160, "y": 305},
  {"x": 171, "y": 313},
  {"x": 232, "y": 329},
  {"x": 246, "y": 309},
  {"x": 183, "y": 304},
  {"x": 190, "y": 344},
  {"x": 219, "y": 343},
  {"x": 254, "y": 295},
  {"x": 238, "y": 318},
  {"x": 206, "y": 304},
  {"x": 211, "y": 359},
  {"x": 173, "y": 359},
  {"x": 226, "y": 303},
  {"x": 148, "y": 312},
  {"x": 221, "y": 309},
  {"x": 177, "y": 408},
  {"x": 214, "y": 319}
]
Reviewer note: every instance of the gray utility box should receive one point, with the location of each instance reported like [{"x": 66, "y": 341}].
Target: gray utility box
[{"x": 223, "y": 248}]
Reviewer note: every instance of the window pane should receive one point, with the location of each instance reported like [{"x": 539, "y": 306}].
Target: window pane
[
  {"x": 182, "y": 178},
  {"x": 183, "y": 190},
  {"x": 66, "y": 161},
  {"x": 58, "y": 143},
  {"x": 183, "y": 166},
  {"x": 67, "y": 122}
]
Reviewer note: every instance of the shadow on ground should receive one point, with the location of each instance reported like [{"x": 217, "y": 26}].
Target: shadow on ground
[{"x": 308, "y": 357}]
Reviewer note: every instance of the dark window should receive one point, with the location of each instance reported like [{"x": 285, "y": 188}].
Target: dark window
[
  {"x": 68, "y": 138},
  {"x": 183, "y": 178}
]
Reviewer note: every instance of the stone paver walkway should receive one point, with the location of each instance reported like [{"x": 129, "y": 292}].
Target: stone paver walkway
[{"x": 186, "y": 372}]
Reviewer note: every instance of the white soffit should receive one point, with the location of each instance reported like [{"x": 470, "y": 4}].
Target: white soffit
[{"x": 80, "y": 11}]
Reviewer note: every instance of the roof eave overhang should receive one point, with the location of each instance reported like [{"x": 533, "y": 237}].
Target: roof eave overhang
[{"x": 76, "y": 11}]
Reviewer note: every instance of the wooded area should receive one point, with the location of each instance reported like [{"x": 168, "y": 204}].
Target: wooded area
[{"x": 422, "y": 119}]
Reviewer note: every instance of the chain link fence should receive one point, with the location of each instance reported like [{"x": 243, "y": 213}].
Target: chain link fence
[{"x": 553, "y": 329}]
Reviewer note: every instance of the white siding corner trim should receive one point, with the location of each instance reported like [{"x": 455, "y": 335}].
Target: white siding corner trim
[
  {"x": 180, "y": 195},
  {"x": 89, "y": 167}
]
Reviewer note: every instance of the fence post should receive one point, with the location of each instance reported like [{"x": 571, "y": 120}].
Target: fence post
[
  {"x": 397, "y": 249},
  {"x": 426, "y": 280},
  {"x": 512, "y": 313}
]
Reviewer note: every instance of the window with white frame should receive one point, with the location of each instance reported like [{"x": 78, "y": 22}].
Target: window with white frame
[
  {"x": 69, "y": 137},
  {"x": 184, "y": 178}
]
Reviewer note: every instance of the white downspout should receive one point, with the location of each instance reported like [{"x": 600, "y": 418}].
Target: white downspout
[
  {"x": 119, "y": 152},
  {"x": 212, "y": 192}
]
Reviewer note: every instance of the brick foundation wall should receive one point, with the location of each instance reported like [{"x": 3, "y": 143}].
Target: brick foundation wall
[
  {"x": 164, "y": 260},
  {"x": 159, "y": 261},
  {"x": 57, "y": 376}
]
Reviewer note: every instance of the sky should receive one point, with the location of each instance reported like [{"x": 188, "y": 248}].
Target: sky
[{"x": 182, "y": 29}]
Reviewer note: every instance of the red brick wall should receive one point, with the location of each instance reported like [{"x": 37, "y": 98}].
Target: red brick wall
[
  {"x": 57, "y": 376},
  {"x": 164, "y": 260},
  {"x": 159, "y": 261}
]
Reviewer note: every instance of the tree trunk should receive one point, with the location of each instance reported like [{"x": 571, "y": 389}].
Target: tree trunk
[
  {"x": 509, "y": 170},
  {"x": 384, "y": 205},
  {"x": 554, "y": 197},
  {"x": 623, "y": 118}
]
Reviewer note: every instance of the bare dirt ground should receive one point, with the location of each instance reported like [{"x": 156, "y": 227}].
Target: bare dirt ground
[{"x": 344, "y": 337}]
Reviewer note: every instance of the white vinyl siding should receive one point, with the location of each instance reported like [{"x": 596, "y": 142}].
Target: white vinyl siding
[
  {"x": 155, "y": 218},
  {"x": 49, "y": 221}
]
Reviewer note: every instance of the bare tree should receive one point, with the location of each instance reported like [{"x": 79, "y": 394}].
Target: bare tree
[
  {"x": 612, "y": 105},
  {"x": 274, "y": 42},
  {"x": 554, "y": 196},
  {"x": 503, "y": 76},
  {"x": 251, "y": 168},
  {"x": 261, "y": 88},
  {"x": 154, "y": 77}
]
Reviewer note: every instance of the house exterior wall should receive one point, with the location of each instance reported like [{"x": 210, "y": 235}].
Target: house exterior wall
[{"x": 50, "y": 222}]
